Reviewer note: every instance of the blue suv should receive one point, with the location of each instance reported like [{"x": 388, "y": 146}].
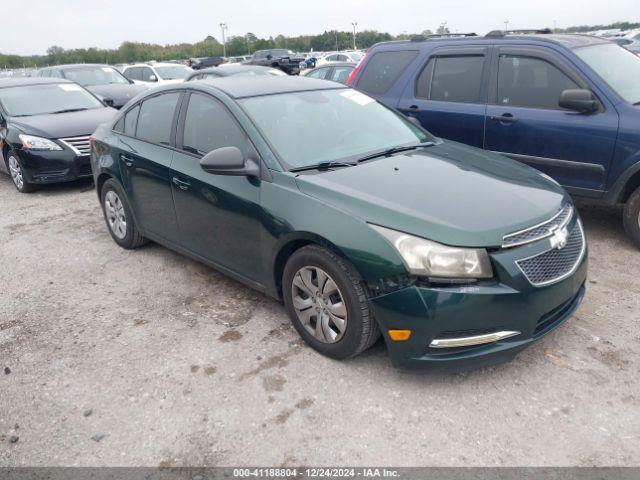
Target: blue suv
[{"x": 568, "y": 105}]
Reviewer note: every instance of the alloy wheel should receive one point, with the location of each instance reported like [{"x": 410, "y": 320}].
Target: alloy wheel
[
  {"x": 16, "y": 172},
  {"x": 114, "y": 211},
  {"x": 319, "y": 304}
]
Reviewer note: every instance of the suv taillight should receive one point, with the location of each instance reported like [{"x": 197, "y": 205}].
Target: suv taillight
[{"x": 355, "y": 71}]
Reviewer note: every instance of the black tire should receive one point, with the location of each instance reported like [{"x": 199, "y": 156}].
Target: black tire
[
  {"x": 631, "y": 217},
  {"x": 26, "y": 187},
  {"x": 132, "y": 237},
  {"x": 362, "y": 330}
]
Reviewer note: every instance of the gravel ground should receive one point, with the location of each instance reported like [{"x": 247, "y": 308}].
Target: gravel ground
[{"x": 113, "y": 357}]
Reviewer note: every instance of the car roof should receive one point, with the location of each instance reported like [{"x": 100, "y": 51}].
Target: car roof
[
  {"x": 337, "y": 64},
  {"x": 567, "y": 40},
  {"x": 23, "y": 81},
  {"x": 248, "y": 86},
  {"x": 231, "y": 69},
  {"x": 79, "y": 65}
]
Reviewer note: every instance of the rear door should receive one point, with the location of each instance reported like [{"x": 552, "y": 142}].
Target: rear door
[
  {"x": 525, "y": 122},
  {"x": 448, "y": 94},
  {"x": 145, "y": 155},
  {"x": 218, "y": 215}
]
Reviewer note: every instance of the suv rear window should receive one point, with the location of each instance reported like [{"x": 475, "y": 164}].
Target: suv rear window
[{"x": 383, "y": 70}]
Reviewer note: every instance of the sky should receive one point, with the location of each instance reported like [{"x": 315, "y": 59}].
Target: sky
[{"x": 39, "y": 24}]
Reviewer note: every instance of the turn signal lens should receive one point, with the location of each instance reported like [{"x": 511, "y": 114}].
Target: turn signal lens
[{"x": 399, "y": 335}]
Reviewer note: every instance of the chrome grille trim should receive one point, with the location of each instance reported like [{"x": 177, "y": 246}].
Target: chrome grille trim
[
  {"x": 540, "y": 231},
  {"x": 526, "y": 267},
  {"x": 79, "y": 145}
]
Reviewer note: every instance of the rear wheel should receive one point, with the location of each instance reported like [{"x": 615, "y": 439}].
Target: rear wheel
[
  {"x": 631, "y": 217},
  {"x": 17, "y": 173},
  {"x": 327, "y": 304},
  {"x": 118, "y": 216}
]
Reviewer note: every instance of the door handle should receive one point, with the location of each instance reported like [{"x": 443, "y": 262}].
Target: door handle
[
  {"x": 128, "y": 161},
  {"x": 507, "y": 118},
  {"x": 414, "y": 108},
  {"x": 181, "y": 184}
]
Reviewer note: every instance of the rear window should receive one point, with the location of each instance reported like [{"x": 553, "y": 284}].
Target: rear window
[{"x": 382, "y": 71}]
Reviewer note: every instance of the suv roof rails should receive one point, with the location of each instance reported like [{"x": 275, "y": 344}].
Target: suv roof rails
[
  {"x": 421, "y": 38},
  {"x": 502, "y": 33}
]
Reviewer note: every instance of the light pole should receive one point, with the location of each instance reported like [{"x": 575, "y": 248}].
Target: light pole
[
  {"x": 336, "y": 34},
  {"x": 223, "y": 27},
  {"x": 506, "y": 26},
  {"x": 355, "y": 25}
]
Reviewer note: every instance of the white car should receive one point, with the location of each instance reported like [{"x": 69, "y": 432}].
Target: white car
[
  {"x": 156, "y": 73},
  {"x": 351, "y": 56}
]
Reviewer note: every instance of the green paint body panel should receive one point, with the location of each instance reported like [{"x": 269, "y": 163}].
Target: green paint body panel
[{"x": 449, "y": 193}]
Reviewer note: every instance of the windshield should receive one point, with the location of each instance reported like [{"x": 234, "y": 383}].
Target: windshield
[
  {"x": 87, "y": 76},
  {"x": 617, "y": 66},
  {"x": 173, "y": 72},
  {"x": 306, "y": 128},
  {"x": 42, "y": 99}
]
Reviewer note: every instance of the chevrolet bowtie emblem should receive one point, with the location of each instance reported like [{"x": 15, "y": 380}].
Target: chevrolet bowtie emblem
[{"x": 559, "y": 238}]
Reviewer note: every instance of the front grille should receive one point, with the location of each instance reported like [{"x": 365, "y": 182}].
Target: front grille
[
  {"x": 555, "y": 264},
  {"x": 540, "y": 231},
  {"x": 80, "y": 145}
]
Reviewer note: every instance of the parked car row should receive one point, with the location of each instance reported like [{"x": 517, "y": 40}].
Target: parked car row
[{"x": 456, "y": 254}]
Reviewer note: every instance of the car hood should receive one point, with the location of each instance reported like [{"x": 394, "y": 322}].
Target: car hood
[
  {"x": 449, "y": 193},
  {"x": 63, "y": 125},
  {"x": 119, "y": 93}
]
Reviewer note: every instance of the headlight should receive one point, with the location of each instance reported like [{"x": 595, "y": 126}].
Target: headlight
[
  {"x": 426, "y": 258},
  {"x": 30, "y": 142}
]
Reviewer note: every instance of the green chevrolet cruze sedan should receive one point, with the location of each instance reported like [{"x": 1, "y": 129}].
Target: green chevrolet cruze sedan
[{"x": 360, "y": 221}]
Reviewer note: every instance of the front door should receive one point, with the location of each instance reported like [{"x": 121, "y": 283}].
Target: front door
[
  {"x": 448, "y": 95},
  {"x": 525, "y": 122},
  {"x": 145, "y": 157},
  {"x": 218, "y": 215}
]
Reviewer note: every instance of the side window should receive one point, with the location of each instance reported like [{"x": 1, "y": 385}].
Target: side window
[
  {"x": 156, "y": 118},
  {"x": 342, "y": 58},
  {"x": 54, "y": 73},
  {"x": 130, "y": 121},
  {"x": 530, "y": 82},
  {"x": 382, "y": 71},
  {"x": 319, "y": 73},
  {"x": 341, "y": 74},
  {"x": 146, "y": 74},
  {"x": 452, "y": 79},
  {"x": 132, "y": 73},
  {"x": 208, "y": 125},
  {"x": 331, "y": 58}
]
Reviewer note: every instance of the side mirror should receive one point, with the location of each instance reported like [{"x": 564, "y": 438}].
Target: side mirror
[
  {"x": 269, "y": 57},
  {"x": 229, "y": 161},
  {"x": 579, "y": 100},
  {"x": 153, "y": 78},
  {"x": 108, "y": 101}
]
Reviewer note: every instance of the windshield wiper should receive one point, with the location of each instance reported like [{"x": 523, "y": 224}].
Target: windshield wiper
[
  {"x": 70, "y": 110},
  {"x": 393, "y": 150},
  {"x": 323, "y": 166}
]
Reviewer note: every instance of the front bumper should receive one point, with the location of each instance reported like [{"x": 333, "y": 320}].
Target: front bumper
[
  {"x": 509, "y": 304},
  {"x": 43, "y": 167}
]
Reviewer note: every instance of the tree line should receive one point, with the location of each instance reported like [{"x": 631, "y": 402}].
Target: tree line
[{"x": 129, "y": 52}]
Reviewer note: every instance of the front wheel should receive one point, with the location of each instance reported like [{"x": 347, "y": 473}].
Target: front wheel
[
  {"x": 17, "y": 174},
  {"x": 327, "y": 304},
  {"x": 631, "y": 217},
  {"x": 118, "y": 216}
]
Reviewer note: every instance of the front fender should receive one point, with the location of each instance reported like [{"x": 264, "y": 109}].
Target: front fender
[{"x": 301, "y": 217}]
